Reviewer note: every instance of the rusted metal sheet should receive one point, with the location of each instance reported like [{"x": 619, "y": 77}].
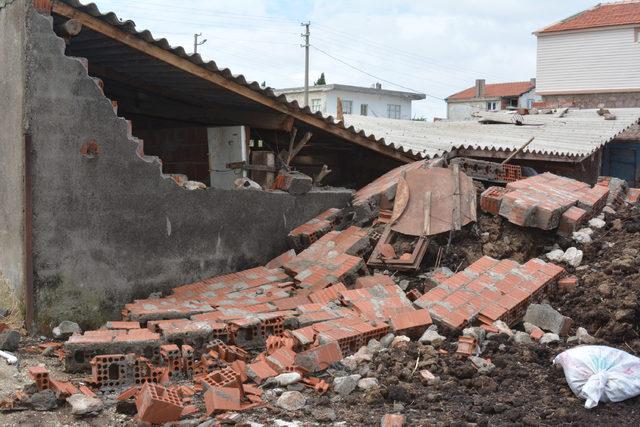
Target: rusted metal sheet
[{"x": 452, "y": 202}]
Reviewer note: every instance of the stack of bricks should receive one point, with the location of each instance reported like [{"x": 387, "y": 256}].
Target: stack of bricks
[
  {"x": 304, "y": 235},
  {"x": 545, "y": 201},
  {"x": 489, "y": 290}
]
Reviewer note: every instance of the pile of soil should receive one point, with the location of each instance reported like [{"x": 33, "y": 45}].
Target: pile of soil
[{"x": 607, "y": 300}]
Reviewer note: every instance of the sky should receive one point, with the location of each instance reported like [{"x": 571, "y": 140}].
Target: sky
[{"x": 428, "y": 46}]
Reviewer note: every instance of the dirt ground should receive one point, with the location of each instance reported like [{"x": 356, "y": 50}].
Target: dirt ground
[{"x": 523, "y": 389}]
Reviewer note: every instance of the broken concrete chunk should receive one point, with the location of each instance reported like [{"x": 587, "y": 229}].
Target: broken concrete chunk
[
  {"x": 483, "y": 366},
  {"x": 44, "y": 400},
  {"x": 288, "y": 378},
  {"x": 431, "y": 337},
  {"x": 476, "y": 332},
  {"x": 291, "y": 401},
  {"x": 549, "y": 338},
  {"x": 294, "y": 182},
  {"x": 547, "y": 318},
  {"x": 345, "y": 385},
  {"x": 367, "y": 383},
  {"x": 65, "y": 329},
  {"x": 386, "y": 340},
  {"x": 399, "y": 341},
  {"x": 503, "y": 328},
  {"x": 583, "y": 336},
  {"x": 572, "y": 256},
  {"x": 596, "y": 223},
  {"x": 555, "y": 255},
  {"x": 522, "y": 338},
  {"x": 581, "y": 236},
  {"x": 84, "y": 405}
]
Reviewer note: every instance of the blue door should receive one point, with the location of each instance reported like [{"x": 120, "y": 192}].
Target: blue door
[{"x": 621, "y": 160}]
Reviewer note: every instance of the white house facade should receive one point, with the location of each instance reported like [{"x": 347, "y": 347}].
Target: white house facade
[
  {"x": 365, "y": 101},
  {"x": 592, "y": 58}
]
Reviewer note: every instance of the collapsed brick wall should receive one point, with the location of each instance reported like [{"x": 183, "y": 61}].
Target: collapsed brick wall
[{"x": 108, "y": 227}]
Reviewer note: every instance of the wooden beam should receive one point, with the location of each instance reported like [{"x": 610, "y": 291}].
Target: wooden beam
[
  {"x": 519, "y": 150},
  {"x": 217, "y": 79}
]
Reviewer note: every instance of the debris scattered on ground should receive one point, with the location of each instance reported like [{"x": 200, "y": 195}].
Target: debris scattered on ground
[{"x": 317, "y": 330}]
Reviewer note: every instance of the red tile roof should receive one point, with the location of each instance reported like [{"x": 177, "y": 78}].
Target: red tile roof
[
  {"x": 495, "y": 90},
  {"x": 602, "y": 15}
]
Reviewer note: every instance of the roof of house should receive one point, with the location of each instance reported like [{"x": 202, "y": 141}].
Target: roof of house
[
  {"x": 601, "y": 15},
  {"x": 348, "y": 88},
  {"x": 495, "y": 90},
  {"x": 576, "y": 134},
  {"x": 126, "y": 42}
]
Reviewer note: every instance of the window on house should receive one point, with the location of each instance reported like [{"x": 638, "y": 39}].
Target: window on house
[
  {"x": 316, "y": 104},
  {"x": 513, "y": 102},
  {"x": 364, "y": 109},
  {"x": 529, "y": 103},
  {"x": 491, "y": 105},
  {"x": 393, "y": 111},
  {"x": 636, "y": 35},
  {"x": 347, "y": 106}
]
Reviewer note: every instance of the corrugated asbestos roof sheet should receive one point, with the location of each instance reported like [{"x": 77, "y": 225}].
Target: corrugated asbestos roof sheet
[
  {"x": 575, "y": 135},
  {"x": 129, "y": 27}
]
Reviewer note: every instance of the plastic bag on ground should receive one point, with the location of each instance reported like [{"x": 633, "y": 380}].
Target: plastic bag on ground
[{"x": 600, "y": 374}]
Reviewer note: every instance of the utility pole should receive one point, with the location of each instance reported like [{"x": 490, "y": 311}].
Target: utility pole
[
  {"x": 196, "y": 43},
  {"x": 305, "y": 36}
]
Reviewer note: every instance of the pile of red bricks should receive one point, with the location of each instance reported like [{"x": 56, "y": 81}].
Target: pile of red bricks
[
  {"x": 307, "y": 311},
  {"x": 489, "y": 290},
  {"x": 304, "y": 235},
  {"x": 546, "y": 201}
]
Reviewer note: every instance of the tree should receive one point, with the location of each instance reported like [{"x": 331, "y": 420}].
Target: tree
[{"x": 320, "y": 81}]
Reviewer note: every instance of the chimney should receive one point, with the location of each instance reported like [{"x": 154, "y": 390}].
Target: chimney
[
  {"x": 533, "y": 82},
  {"x": 479, "y": 88},
  {"x": 378, "y": 85}
]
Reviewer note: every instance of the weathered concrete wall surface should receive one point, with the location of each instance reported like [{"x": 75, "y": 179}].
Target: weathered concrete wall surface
[
  {"x": 109, "y": 228},
  {"x": 595, "y": 100},
  {"x": 12, "y": 46}
]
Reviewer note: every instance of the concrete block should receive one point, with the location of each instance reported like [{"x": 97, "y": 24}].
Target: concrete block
[{"x": 547, "y": 318}]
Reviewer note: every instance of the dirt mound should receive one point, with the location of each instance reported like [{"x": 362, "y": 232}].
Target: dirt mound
[{"x": 607, "y": 300}]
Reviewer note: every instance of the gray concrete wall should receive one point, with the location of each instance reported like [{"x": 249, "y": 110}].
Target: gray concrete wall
[
  {"x": 110, "y": 228},
  {"x": 12, "y": 46},
  {"x": 595, "y": 100}
]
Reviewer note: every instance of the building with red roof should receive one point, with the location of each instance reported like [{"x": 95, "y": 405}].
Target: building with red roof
[
  {"x": 592, "y": 57},
  {"x": 491, "y": 97}
]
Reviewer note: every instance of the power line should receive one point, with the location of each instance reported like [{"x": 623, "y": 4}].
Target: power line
[{"x": 372, "y": 75}]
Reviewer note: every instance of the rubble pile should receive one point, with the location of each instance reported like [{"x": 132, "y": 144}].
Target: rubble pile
[{"x": 333, "y": 319}]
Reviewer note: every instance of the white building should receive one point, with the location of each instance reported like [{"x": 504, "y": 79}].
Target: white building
[
  {"x": 592, "y": 57},
  {"x": 491, "y": 97},
  {"x": 366, "y": 101}
]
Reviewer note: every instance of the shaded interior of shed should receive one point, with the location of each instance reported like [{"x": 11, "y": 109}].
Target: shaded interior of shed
[{"x": 171, "y": 109}]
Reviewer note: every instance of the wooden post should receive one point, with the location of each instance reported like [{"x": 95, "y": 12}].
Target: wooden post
[
  {"x": 518, "y": 151},
  {"x": 457, "y": 223},
  {"x": 427, "y": 213}
]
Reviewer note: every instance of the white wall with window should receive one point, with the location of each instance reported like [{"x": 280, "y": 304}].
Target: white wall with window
[
  {"x": 394, "y": 111},
  {"x": 366, "y": 104}
]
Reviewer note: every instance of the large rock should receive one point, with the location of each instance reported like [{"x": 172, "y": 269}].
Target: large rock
[
  {"x": 9, "y": 340},
  {"x": 549, "y": 338},
  {"x": 345, "y": 385},
  {"x": 547, "y": 318},
  {"x": 84, "y": 405},
  {"x": 66, "y": 328},
  {"x": 291, "y": 401},
  {"x": 44, "y": 400},
  {"x": 522, "y": 338}
]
